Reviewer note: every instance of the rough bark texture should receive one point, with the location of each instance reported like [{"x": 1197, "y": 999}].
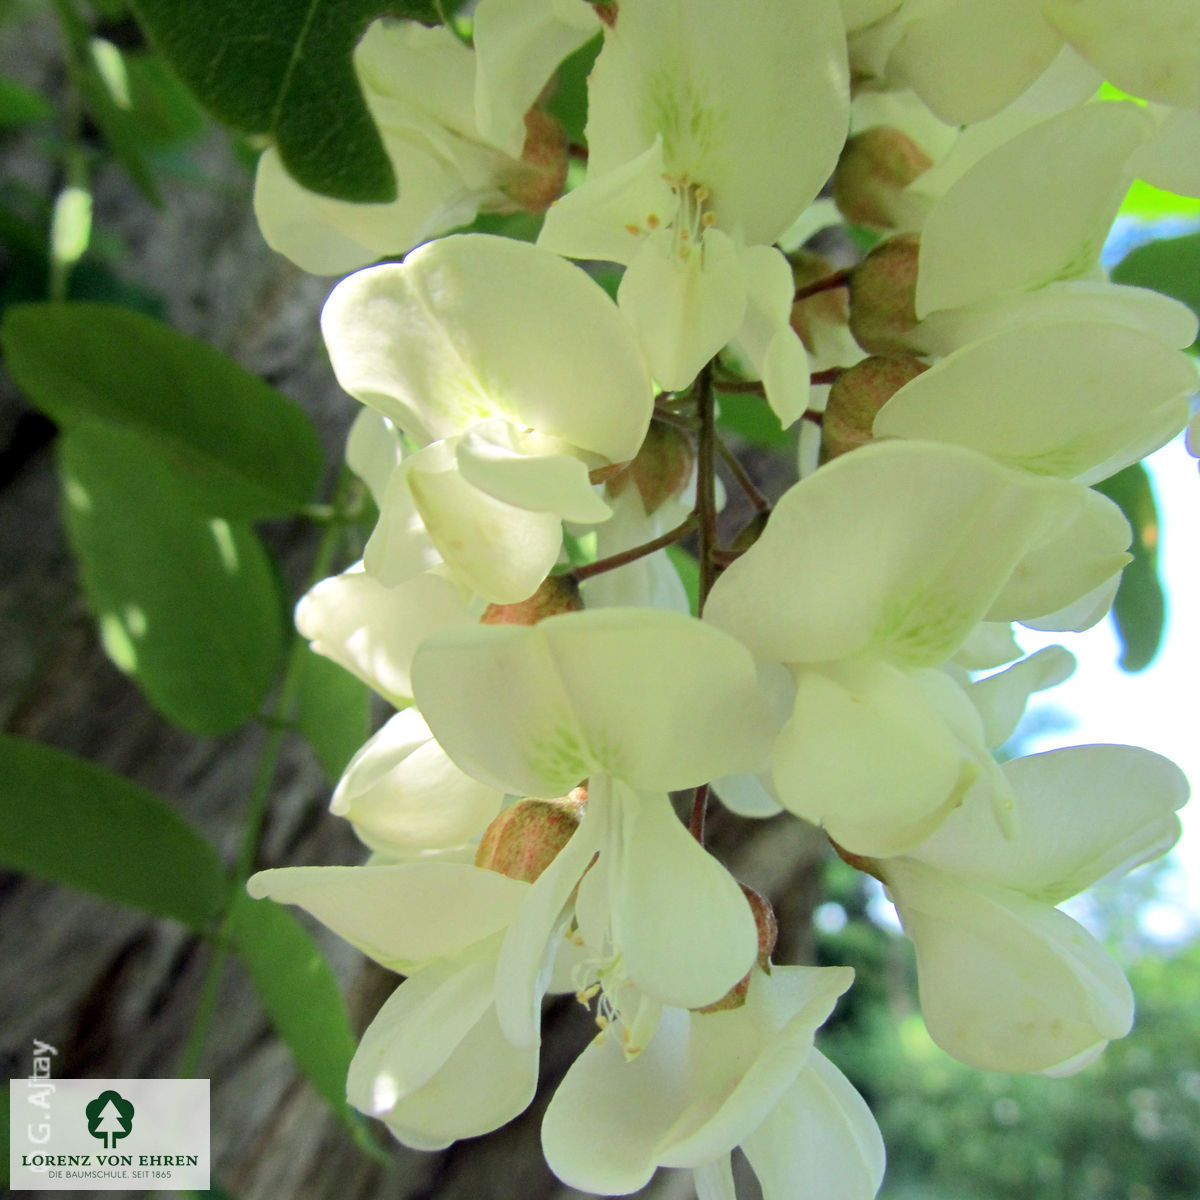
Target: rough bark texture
[{"x": 115, "y": 992}]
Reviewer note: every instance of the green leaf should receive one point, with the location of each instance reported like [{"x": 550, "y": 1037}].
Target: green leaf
[
  {"x": 300, "y": 993},
  {"x": 94, "y": 65},
  {"x": 188, "y": 605},
  {"x": 1170, "y": 266},
  {"x": 162, "y": 111},
  {"x": 1139, "y": 609},
  {"x": 20, "y": 105},
  {"x": 67, "y": 820},
  {"x": 1151, "y": 203},
  {"x": 751, "y": 419},
  {"x": 242, "y": 450},
  {"x": 569, "y": 100},
  {"x": 283, "y": 68},
  {"x": 689, "y": 574},
  {"x": 332, "y": 712}
]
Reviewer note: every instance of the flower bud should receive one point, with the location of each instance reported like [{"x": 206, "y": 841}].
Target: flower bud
[
  {"x": 526, "y": 837},
  {"x": 874, "y": 167},
  {"x": 883, "y": 292},
  {"x": 555, "y": 594},
  {"x": 829, "y": 307},
  {"x": 857, "y": 396},
  {"x": 544, "y": 156},
  {"x": 768, "y": 932},
  {"x": 661, "y": 468}
]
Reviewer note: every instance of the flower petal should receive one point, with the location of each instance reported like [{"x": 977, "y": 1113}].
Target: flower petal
[
  {"x": 602, "y": 1127},
  {"x": 608, "y": 215},
  {"x": 822, "y": 1132},
  {"x": 718, "y": 83},
  {"x": 1082, "y": 556},
  {"x": 518, "y": 45},
  {"x": 526, "y": 962},
  {"x": 766, "y": 340},
  {"x": 1150, "y": 50},
  {"x": 1001, "y": 698},
  {"x": 529, "y": 471},
  {"x": 666, "y": 879},
  {"x": 1006, "y": 983},
  {"x": 913, "y": 541},
  {"x": 418, "y": 1028},
  {"x": 656, "y": 699},
  {"x": 1077, "y": 399},
  {"x": 967, "y": 61},
  {"x": 683, "y": 309},
  {"x": 401, "y": 916},
  {"x": 373, "y": 630},
  {"x": 403, "y": 793},
  {"x": 473, "y": 326},
  {"x": 497, "y": 550},
  {"x": 451, "y": 1104},
  {"x": 870, "y": 756},
  {"x": 1082, "y": 813},
  {"x": 1014, "y": 223}
]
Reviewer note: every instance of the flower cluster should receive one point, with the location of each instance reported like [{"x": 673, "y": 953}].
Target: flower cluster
[{"x": 853, "y": 659}]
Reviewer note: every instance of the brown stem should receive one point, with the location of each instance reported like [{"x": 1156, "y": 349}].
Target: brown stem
[
  {"x": 760, "y": 502},
  {"x": 675, "y": 420},
  {"x": 733, "y": 387},
  {"x": 699, "y": 809},
  {"x": 706, "y": 479},
  {"x": 627, "y": 556},
  {"x": 836, "y": 280},
  {"x": 829, "y": 375}
]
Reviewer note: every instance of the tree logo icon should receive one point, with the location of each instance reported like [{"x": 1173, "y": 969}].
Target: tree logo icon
[{"x": 109, "y": 1117}]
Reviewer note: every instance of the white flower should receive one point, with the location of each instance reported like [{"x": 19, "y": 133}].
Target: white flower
[
  {"x": 372, "y": 630},
  {"x": 420, "y": 1062},
  {"x": 1007, "y": 982},
  {"x": 405, "y": 797},
  {"x": 515, "y": 375},
  {"x": 870, "y": 575},
  {"x": 1076, "y": 398},
  {"x": 709, "y": 1082},
  {"x": 710, "y": 129},
  {"x": 968, "y": 59},
  {"x": 638, "y": 702},
  {"x": 452, "y": 121}
]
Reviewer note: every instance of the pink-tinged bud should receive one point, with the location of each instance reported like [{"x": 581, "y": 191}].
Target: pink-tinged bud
[
  {"x": 875, "y": 166},
  {"x": 661, "y": 468},
  {"x": 828, "y": 307},
  {"x": 883, "y": 290},
  {"x": 525, "y": 838},
  {"x": 556, "y": 594},
  {"x": 544, "y": 157},
  {"x": 768, "y": 931},
  {"x": 857, "y": 396}
]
